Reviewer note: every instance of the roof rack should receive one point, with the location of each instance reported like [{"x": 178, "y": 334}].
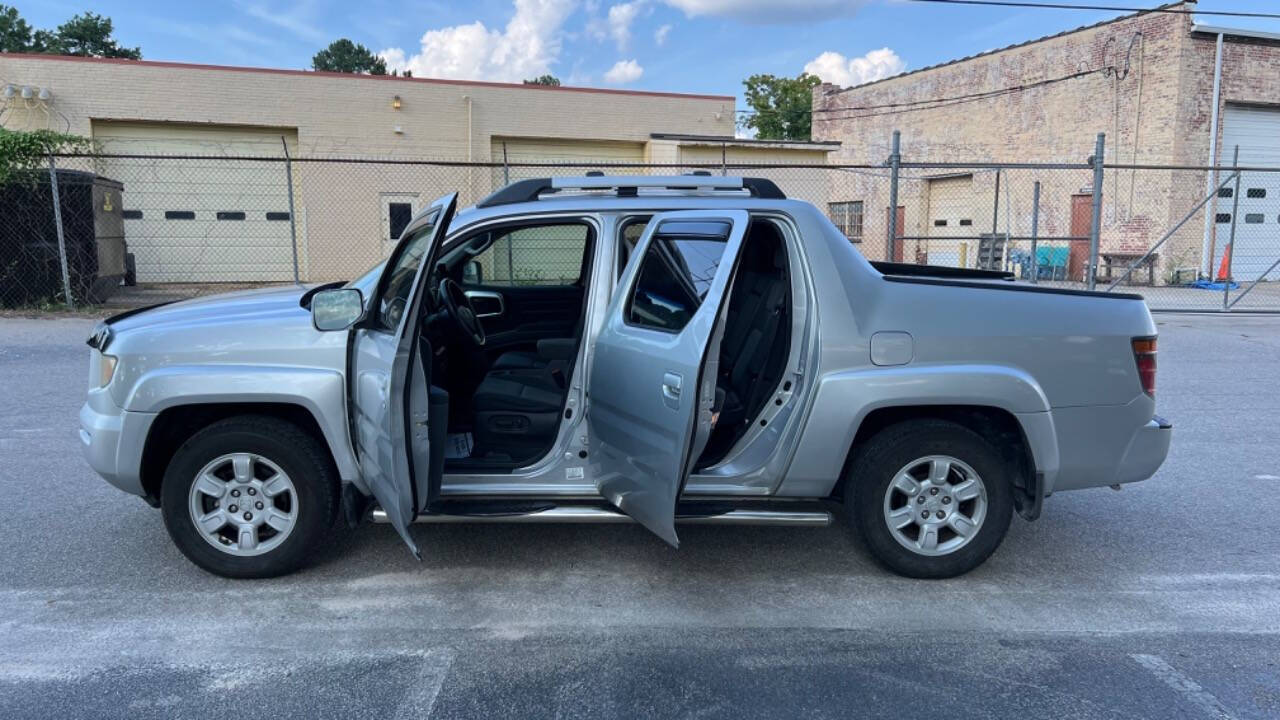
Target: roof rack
[{"x": 629, "y": 186}]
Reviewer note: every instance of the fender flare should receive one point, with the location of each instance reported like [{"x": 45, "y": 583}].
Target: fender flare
[
  {"x": 844, "y": 399},
  {"x": 320, "y": 392}
]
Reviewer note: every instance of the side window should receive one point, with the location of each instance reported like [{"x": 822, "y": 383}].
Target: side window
[
  {"x": 632, "y": 231},
  {"x": 674, "y": 277},
  {"x": 535, "y": 256},
  {"x": 397, "y": 282}
]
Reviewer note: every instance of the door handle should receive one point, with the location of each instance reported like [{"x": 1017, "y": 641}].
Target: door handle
[{"x": 671, "y": 383}]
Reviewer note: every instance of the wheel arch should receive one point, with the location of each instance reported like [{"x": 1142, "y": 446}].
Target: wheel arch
[
  {"x": 996, "y": 424},
  {"x": 178, "y": 423}
]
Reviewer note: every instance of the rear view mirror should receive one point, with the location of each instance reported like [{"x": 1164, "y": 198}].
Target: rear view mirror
[
  {"x": 336, "y": 309},
  {"x": 472, "y": 273}
]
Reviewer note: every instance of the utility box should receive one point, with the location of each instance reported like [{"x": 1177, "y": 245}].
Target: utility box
[{"x": 93, "y": 232}]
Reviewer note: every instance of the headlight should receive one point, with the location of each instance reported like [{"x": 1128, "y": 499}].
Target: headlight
[{"x": 106, "y": 368}]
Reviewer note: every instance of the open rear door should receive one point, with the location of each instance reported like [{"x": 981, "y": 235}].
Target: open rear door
[
  {"x": 382, "y": 346},
  {"x": 652, "y": 382}
]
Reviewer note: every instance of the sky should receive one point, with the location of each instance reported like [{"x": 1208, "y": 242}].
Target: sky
[{"x": 696, "y": 46}]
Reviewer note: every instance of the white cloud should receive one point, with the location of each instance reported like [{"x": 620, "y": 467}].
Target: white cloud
[
  {"x": 620, "y": 18},
  {"x": 623, "y": 72},
  {"x": 527, "y": 47},
  {"x": 660, "y": 35},
  {"x": 769, "y": 10},
  {"x": 835, "y": 68},
  {"x": 296, "y": 20}
]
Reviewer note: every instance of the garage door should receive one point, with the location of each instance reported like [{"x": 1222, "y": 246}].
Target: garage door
[
  {"x": 580, "y": 156},
  {"x": 1257, "y": 132},
  {"x": 953, "y": 240},
  {"x": 203, "y": 220}
]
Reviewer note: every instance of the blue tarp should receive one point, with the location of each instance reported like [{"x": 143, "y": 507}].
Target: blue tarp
[{"x": 1206, "y": 285}]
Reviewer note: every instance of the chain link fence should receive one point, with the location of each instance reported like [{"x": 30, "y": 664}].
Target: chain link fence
[{"x": 139, "y": 229}]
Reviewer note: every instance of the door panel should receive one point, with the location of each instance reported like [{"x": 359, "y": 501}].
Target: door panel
[
  {"x": 653, "y": 372},
  {"x": 528, "y": 314},
  {"x": 383, "y": 349}
]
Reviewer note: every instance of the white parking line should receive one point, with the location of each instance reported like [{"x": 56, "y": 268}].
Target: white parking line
[
  {"x": 1184, "y": 686},
  {"x": 420, "y": 698}
]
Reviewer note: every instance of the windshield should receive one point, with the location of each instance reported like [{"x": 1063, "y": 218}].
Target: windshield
[{"x": 368, "y": 281}]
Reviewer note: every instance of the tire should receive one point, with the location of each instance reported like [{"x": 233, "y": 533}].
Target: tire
[
  {"x": 924, "y": 450},
  {"x": 247, "y": 457}
]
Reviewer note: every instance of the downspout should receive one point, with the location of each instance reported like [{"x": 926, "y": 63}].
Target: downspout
[{"x": 1211, "y": 183}]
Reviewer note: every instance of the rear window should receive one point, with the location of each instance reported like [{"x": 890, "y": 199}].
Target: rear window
[{"x": 675, "y": 275}]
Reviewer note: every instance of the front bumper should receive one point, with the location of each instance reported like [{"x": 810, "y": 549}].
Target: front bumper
[{"x": 112, "y": 440}]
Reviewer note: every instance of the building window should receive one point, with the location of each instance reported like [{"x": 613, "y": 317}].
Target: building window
[
  {"x": 966, "y": 223},
  {"x": 230, "y": 214},
  {"x": 179, "y": 215},
  {"x": 1222, "y": 218},
  {"x": 848, "y": 217},
  {"x": 1225, "y": 192},
  {"x": 132, "y": 214},
  {"x": 277, "y": 216},
  {"x": 1253, "y": 218},
  {"x": 1256, "y": 193},
  {"x": 398, "y": 216},
  {"x": 939, "y": 223}
]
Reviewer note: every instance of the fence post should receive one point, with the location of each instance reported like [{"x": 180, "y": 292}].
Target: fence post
[
  {"x": 1095, "y": 223},
  {"x": 1231, "y": 243},
  {"x": 62, "y": 239},
  {"x": 895, "y": 158},
  {"x": 293, "y": 219},
  {"x": 1035, "y": 228},
  {"x": 506, "y": 169}
]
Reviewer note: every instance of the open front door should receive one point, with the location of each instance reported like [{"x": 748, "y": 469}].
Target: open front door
[
  {"x": 653, "y": 375},
  {"x": 382, "y": 349}
]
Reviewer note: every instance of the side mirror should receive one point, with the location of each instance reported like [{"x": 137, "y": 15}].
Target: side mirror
[
  {"x": 336, "y": 309},
  {"x": 473, "y": 273}
]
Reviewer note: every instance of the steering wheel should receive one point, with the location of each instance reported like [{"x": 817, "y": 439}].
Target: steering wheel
[{"x": 458, "y": 306}]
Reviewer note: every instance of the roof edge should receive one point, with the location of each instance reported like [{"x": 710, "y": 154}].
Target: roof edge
[
  {"x": 358, "y": 76},
  {"x": 732, "y": 140}
]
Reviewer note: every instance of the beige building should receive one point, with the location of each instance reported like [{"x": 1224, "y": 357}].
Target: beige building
[
  {"x": 197, "y": 217},
  {"x": 1147, "y": 81}
]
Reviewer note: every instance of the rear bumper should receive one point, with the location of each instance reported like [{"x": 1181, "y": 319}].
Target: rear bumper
[
  {"x": 1146, "y": 452},
  {"x": 1101, "y": 445},
  {"x": 112, "y": 440}
]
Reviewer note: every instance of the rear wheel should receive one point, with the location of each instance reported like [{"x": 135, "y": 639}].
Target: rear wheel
[
  {"x": 931, "y": 498},
  {"x": 249, "y": 497}
]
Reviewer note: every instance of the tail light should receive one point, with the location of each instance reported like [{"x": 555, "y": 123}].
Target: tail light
[{"x": 1144, "y": 354}]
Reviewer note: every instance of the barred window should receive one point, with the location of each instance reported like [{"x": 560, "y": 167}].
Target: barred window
[{"x": 848, "y": 217}]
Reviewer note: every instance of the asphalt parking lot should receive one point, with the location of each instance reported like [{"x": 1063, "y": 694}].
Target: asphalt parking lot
[{"x": 1159, "y": 601}]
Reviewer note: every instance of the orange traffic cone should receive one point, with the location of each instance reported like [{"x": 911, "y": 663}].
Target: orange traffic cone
[{"x": 1225, "y": 265}]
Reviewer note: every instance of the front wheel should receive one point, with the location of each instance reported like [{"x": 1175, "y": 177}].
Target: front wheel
[
  {"x": 931, "y": 498},
  {"x": 249, "y": 497}
]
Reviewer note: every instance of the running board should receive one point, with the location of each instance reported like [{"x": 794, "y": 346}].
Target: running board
[{"x": 585, "y": 514}]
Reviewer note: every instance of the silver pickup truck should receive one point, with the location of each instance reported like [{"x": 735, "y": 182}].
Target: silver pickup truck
[{"x": 660, "y": 350}]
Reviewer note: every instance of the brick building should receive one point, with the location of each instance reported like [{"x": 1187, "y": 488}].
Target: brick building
[{"x": 1146, "y": 80}]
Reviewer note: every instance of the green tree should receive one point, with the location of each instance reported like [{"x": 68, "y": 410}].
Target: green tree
[
  {"x": 87, "y": 35},
  {"x": 551, "y": 80},
  {"x": 348, "y": 57},
  {"x": 782, "y": 106},
  {"x": 15, "y": 33}
]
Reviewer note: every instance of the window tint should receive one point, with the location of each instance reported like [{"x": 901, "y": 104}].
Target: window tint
[
  {"x": 536, "y": 256},
  {"x": 632, "y": 231},
  {"x": 1222, "y": 217},
  {"x": 398, "y": 282},
  {"x": 1225, "y": 192},
  {"x": 673, "y": 280},
  {"x": 1256, "y": 193}
]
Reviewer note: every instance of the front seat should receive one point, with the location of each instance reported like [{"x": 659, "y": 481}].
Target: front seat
[{"x": 517, "y": 410}]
